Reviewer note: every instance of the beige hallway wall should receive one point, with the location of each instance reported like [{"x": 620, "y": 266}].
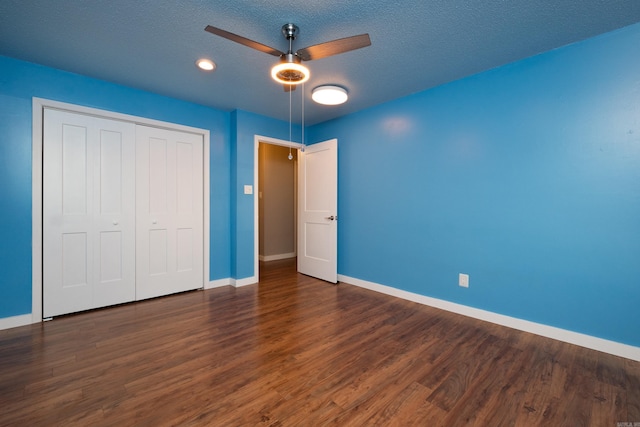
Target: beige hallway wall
[{"x": 276, "y": 203}]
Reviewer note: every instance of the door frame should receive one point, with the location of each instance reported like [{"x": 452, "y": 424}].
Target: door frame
[
  {"x": 257, "y": 139},
  {"x": 38, "y": 106}
]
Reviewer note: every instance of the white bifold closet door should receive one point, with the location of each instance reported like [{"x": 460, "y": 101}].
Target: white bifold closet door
[
  {"x": 169, "y": 211},
  {"x": 122, "y": 212},
  {"x": 88, "y": 212}
]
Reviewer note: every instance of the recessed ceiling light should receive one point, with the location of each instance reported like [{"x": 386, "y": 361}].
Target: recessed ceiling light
[
  {"x": 329, "y": 95},
  {"x": 206, "y": 64}
]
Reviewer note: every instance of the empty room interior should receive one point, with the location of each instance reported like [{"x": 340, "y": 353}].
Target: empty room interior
[{"x": 361, "y": 213}]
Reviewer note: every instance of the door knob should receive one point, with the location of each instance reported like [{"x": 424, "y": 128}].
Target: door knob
[
  {"x": 115, "y": 222},
  {"x": 332, "y": 217},
  {"x": 154, "y": 222}
]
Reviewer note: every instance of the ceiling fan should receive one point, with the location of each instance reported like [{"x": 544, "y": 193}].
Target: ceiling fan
[{"x": 290, "y": 71}]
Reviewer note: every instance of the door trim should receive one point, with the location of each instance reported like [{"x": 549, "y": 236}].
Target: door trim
[
  {"x": 257, "y": 139},
  {"x": 38, "y": 106}
]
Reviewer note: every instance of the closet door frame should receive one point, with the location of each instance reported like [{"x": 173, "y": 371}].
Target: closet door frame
[{"x": 38, "y": 106}]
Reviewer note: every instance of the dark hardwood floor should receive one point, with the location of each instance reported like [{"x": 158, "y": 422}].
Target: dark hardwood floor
[{"x": 295, "y": 351}]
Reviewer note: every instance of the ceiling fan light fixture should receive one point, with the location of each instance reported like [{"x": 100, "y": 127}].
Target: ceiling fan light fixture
[
  {"x": 206, "y": 64},
  {"x": 329, "y": 95},
  {"x": 290, "y": 71}
]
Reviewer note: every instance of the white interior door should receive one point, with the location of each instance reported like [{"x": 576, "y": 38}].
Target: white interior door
[
  {"x": 88, "y": 212},
  {"x": 318, "y": 210},
  {"x": 169, "y": 212}
]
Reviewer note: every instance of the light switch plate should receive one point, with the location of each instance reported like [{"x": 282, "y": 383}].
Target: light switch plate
[
  {"x": 463, "y": 280},
  {"x": 248, "y": 189}
]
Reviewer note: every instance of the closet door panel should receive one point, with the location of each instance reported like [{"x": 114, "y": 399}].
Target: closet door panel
[
  {"x": 88, "y": 212},
  {"x": 169, "y": 212},
  {"x": 114, "y": 218}
]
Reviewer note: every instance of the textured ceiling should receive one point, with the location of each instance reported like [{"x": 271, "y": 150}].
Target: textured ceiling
[{"x": 416, "y": 44}]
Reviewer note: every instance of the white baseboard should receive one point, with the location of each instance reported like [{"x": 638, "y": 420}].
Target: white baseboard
[
  {"x": 15, "y": 321},
  {"x": 244, "y": 282},
  {"x": 277, "y": 256},
  {"x": 218, "y": 283},
  {"x": 587, "y": 341}
]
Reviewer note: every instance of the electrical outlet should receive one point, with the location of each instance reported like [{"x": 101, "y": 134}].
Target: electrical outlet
[{"x": 463, "y": 280}]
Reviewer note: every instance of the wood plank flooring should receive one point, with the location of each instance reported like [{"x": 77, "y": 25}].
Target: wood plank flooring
[{"x": 295, "y": 351}]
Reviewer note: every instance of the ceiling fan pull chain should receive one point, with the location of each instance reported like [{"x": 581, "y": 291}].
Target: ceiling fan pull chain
[
  {"x": 289, "y": 116},
  {"x": 303, "y": 145},
  {"x": 290, "y": 156}
]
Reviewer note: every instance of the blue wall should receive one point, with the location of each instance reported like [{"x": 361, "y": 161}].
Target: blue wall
[
  {"x": 19, "y": 82},
  {"x": 15, "y": 196},
  {"x": 525, "y": 177}
]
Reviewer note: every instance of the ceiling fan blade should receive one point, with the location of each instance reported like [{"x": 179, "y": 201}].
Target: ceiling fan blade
[
  {"x": 334, "y": 47},
  {"x": 243, "y": 40},
  {"x": 289, "y": 88}
]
